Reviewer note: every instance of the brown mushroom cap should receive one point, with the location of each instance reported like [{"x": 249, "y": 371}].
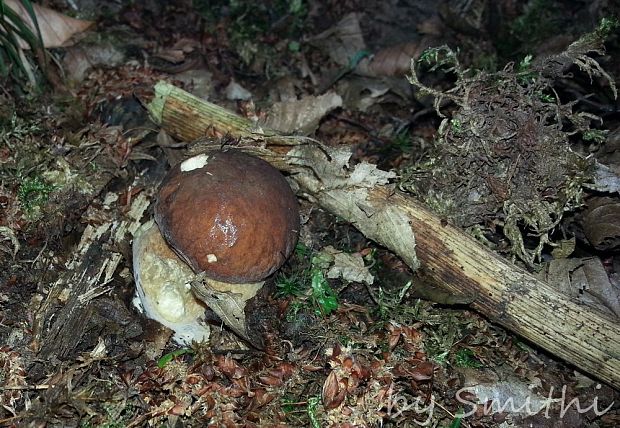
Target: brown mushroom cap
[{"x": 228, "y": 214}]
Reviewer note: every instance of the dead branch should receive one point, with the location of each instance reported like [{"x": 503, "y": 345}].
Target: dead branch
[{"x": 505, "y": 293}]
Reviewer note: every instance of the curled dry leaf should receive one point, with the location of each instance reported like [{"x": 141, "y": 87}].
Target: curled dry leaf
[
  {"x": 261, "y": 398},
  {"x": 349, "y": 267},
  {"x": 7, "y": 234},
  {"x": 411, "y": 336},
  {"x": 594, "y": 280},
  {"x": 423, "y": 371},
  {"x": 56, "y": 28},
  {"x": 230, "y": 368},
  {"x": 601, "y": 223},
  {"x": 333, "y": 391},
  {"x": 415, "y": 371},
  {"x": 270, "y": 380},
  {"x": 346, "y": 40},
  {"x": 228, "y": 302},
  {"x": 394, "y": 338}
]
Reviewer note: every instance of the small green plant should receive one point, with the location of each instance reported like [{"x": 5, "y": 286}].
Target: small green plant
[
  {"x": 249, "y": 21},
  {"x": 390, "y": 303},
  {"x": 457, "y": 126},
  {"x": 313, "y": 404},
  {"x": 536, "y": 22},
  {"x": 324, "y": 298},
  {"x": 294, "y": 46},
  {"x": 289, "y": 404},
  {"x": 596, "y": 136},
  {"x": 308, "y": 286},
  {"x": 293, "y": 310},
  {"x": 402, "y": 141},
  {"x": 465, "y": 357},
  {"x": 301, "y": 250},
  {"x": 33, "y": 194},
  {"x": 525, "y": 74},
  {"x": 289, "y": 286},
  {"x": 441, "y": 57}
]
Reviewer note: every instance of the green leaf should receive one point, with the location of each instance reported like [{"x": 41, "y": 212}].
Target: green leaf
[
  {"x": 456, "y": 422},
  {"x": 322, "y": 294},
  {"x": 165, "y": 359}
]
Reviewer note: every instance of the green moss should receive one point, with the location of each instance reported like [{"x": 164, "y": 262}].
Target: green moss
[{"x": 33, "y": 193}]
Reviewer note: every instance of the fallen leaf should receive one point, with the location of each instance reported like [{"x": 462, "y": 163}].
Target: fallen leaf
[
  {"x": 349, "y": 267},
  {"x": 6, "y": 233},
  {"x": 228, "y": 302},
  {"x": 605, "y": 179},
  {"x": 423, "y": 371},
  {"x": 585, "y": 281},
  {"x": 601, "y": 223},
  {"x": 230, "y": 368},
  {"x": 393, "y": 60},
  {"x": 301, "y": 116},
  {"x": 333, "y": 392},
  {"x": 235, "y": 91},
  {"x": 56, "y": 28},
  {"x": 270, "y": 380},
  {"x": 368, "y": 175},
  {"x": 342, "y": 41}
]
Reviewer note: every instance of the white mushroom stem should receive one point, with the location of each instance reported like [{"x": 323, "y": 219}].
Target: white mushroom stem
[{"x": 164, "y": 290}]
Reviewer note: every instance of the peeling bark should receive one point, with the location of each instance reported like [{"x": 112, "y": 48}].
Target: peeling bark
[{"x": 505, "y": 293}]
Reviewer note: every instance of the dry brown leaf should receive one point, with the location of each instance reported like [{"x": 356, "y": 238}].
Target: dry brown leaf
[
  {"x": 228, "y": 302},
  {"x": 333, "y": 393},
  {"x": 586, "y": 281},
  {"x": 394, "y": 60},
  {"x": 394, "y": 337},
  {"x": 423, "y": 371},
  {"x": 270, "y": 380},
  {"x": 601, "y": 223},
  {"x": 596, "y": 282},
  {"x": 342, "y": 41},
  {"x": 56, "y": 28},
  {"x": 230, "y": 368},
  {"x": 301, "y": 116}
]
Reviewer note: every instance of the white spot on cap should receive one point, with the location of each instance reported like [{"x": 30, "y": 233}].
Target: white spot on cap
[
  {"x": 211, "y": 258},
  {"x": 194, "y": 163}
]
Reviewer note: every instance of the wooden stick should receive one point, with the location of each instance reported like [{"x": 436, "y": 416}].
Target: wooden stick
[{"x": 505, "y": 293}]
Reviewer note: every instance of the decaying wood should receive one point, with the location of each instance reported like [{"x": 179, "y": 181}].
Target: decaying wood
[
  {"x": 504, "y": 293},
  {"x": 87, "y": 276}
]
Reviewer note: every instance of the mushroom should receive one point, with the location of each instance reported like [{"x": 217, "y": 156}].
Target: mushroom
[{"x": 228, "y": 216}]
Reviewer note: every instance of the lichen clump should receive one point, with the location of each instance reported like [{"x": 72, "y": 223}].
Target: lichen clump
[{"x": 503, "y": 160}]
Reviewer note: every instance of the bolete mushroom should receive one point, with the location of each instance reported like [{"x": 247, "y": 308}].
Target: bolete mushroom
[{"x": 228, "y": 216}]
